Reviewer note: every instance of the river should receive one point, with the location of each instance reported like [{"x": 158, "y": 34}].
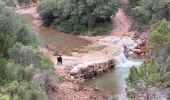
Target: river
[
  {"x": 113, "y": 81},
  {"x": 58, "y": 39}
]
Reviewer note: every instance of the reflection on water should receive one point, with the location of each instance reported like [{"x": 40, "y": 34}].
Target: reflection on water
[{"x": 57, "y": 39}]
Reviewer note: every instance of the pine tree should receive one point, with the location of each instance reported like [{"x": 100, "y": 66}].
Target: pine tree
[{"x": 142, "y": 79}]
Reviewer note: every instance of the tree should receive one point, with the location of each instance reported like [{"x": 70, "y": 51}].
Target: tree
[
  {"x": 147, "y": 12},
  {"x": 160, "y": 35},
  {"x": 77, "y": 15},
  {"x": 19, "y": 43},
  {"x": 142, "y": 79},
  {"x": 9, "y": 25}
]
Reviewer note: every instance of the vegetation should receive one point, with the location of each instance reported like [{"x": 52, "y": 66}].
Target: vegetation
[
  {"x": 147, "y": 12},
  {"x": 26, "y": 55},
  {"x": 152, "y": 74},
  {"x": 21, "y": 61},
  {"x": 25, "y": 73},
  {"x": 142, "y": 79},
  {"x": 76, "y": 16},
  {"x": 26, "y": 1},
  {"x": 160, "y": 41}
]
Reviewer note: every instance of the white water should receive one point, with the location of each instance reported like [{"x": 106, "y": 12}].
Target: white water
[{"x": 122, "y": 61}]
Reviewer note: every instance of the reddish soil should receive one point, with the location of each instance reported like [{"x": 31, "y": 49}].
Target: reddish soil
[{"x": 122, "y": 24}]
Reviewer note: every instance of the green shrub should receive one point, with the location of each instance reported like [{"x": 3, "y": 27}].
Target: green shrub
[
  {"x": 9, "y": 25},
  {"x": 77, "y": 16},
  {"x": 26, "y": 36},
  {"x": 4, "y": 97},
  {"x": 26, "y": 55}
]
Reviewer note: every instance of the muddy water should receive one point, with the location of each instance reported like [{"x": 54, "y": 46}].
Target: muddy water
[{"x": 58, "y": 39}]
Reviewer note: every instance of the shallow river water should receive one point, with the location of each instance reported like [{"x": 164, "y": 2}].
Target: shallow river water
[
  {"x": 112, "y": 81},
  {"x": 58, "y": 39}
]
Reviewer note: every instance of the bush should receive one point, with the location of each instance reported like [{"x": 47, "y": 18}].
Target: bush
[
  {"x": 4, "y": 97},
  {"x": 22, "y": 91},
  {"x": 26, "y": 55},
  {"x": 26, "y": 36},
  {"x": 9, "y": 25}
]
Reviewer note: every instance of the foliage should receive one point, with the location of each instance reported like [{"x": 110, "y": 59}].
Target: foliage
[
  {"x": 26, "y": 1},
  {"x": 76, "y": 16},
  {"x": 27, "y": 55},
  {"x": 19, "y": 42},
  {"x": 22, "y": 91},
  {"x": 141, "y": 79},
  {"x": 9, "y": 25},
  {"x": 5, "y": 74},
  {"x": 160, "y": 35},
  {"x": 148, "y": 11},
  {"x": 4, "y": 97},
  {"x": 12, "y": 30},
  {"x": 26, "y": 36},
  {"x": 9, "y": 2},
  {"x": 15, "y": 82}
]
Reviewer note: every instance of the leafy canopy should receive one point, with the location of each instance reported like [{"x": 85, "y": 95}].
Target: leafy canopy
[{"x": 76, "y": 15}]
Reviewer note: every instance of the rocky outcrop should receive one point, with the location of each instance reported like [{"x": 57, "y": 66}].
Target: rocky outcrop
[{"x": 93, "y": 70}]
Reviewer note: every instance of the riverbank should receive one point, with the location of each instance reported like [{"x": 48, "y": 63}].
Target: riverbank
[
  {"x": 71, "y": 89},
  {"x": 105, "y": 49}
]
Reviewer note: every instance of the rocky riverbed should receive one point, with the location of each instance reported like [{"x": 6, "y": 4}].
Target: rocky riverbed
[{"x": 87, "y": 62}]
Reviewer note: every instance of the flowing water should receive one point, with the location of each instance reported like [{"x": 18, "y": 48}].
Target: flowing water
[
  {"x": 58, "y": 39},
  {"x": 114, "y": 80}
]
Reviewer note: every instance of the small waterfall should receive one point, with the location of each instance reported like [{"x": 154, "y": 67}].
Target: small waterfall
[{"x": 122, "y": 61}]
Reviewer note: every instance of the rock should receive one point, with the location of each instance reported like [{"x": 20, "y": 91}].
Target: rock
[
  {"x": 94, "y": 73},
  {"x": 106, "y": 69},
  {"x": 76, "y": 88},
  {"x": 99, "y": 71},
  {"x": 90, "y": 69},
  {"x": 96, "y": 67},
  {"x": 72, "y": 78},
  {"x": 88, "y": 75},
  {"x": 84, "y": 70},
  {"x": 96, "y": 89}
]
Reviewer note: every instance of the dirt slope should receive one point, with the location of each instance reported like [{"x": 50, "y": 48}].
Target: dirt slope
[{"x": 122, "y": 23}]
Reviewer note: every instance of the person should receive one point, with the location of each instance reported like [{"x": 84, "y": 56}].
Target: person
[{"x": 59, "y": 60}]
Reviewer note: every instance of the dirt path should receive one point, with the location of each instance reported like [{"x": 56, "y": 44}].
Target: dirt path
[{"x": 122, "y": 24}]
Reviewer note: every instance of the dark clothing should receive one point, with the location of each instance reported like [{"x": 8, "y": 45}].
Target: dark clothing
[{"x": 59, "y": 59}]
